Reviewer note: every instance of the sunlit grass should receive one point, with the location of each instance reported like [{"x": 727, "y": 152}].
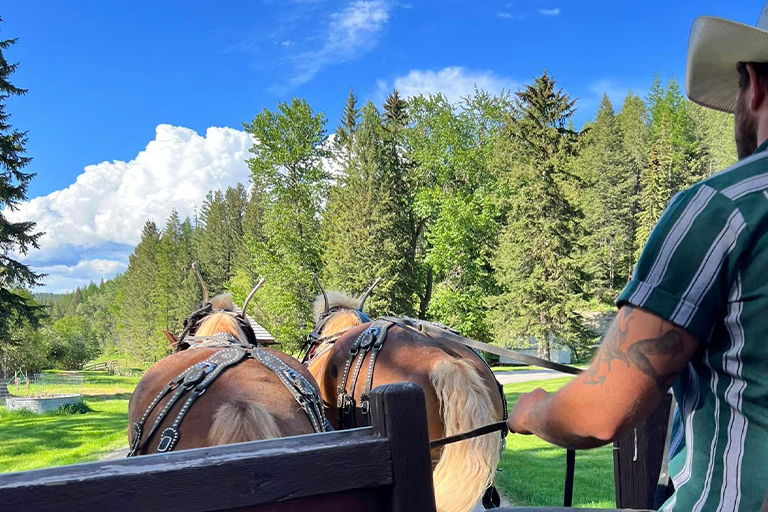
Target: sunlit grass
[
  {"x": 34, "y": 441},
  {"x": 533, "y": 471}
]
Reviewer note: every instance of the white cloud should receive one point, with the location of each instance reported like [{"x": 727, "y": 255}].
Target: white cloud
[
  {"x": 508, "y": 16},
  {"x": 353, "y": 31},
  {"x": 550, "y": 12},
  {"x": 453, "y": 82},
  {"x": 92, "y": 225},
  {"x": 61, "y": 278}
]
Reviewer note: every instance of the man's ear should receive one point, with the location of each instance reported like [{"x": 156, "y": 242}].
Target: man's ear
[
  {"x": 171, "y": 337},
  {"x": 756, "y": 89}
]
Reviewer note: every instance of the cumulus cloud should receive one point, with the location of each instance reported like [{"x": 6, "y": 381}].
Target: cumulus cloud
[
  {"x": 453, "y": 82},
  {"x": 92, "y": 225},
  {"x": 550, "y": 12},
  {"x": 352, "y": 32}
]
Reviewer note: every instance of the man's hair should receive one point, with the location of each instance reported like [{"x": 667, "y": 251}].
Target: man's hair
[{"x": 761, "y": 69}]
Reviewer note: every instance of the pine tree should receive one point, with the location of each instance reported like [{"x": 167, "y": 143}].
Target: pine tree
[
  {"x": 16, "y": 237},
  {"x": 635, "y": 137},
  {"x": 535, "y": 257},
  {"x": 607, "y": 201},
  {"x": 345, "y": 133},
  {"x": 140, "y": 301}
]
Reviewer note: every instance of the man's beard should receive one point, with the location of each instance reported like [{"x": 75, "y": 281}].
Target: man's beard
[{"x": 745, "y": 128}]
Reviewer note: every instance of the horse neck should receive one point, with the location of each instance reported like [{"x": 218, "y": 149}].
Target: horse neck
[
  {"x": 340, "y": 322},
  {"x": 220, "y": 322}
]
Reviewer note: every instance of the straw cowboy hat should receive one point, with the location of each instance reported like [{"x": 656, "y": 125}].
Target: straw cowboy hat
[{"x": 715, "y": 47}]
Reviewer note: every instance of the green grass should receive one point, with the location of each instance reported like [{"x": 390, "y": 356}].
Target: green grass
[
  {"x": 34, "y": 441},
  {"x": 513, "y": 368},
  {"x": 533, "y": 471},
  {"x": 94, "y": 383}
]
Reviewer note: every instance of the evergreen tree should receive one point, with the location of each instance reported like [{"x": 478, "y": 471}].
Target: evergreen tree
[
  {"x": 140, "y": 302},
  {"x": 675, "y": 156},
  {"x": 535, "y": 258},
  {"x": 634, "y": 132},
  {"x": 290, "y": 181},
  {"x": 606, "y": 197},
  {"x": 345, "y": 133},
  {"x": 16, "y": 237}
]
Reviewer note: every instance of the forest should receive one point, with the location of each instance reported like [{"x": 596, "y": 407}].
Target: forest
[{"x": 496, "y": 216}]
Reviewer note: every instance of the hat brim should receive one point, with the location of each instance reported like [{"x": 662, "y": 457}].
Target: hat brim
[{"x": 715, "y": 47}]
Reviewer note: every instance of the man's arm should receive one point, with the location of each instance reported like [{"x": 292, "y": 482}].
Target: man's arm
[{"x": 638, "y": 361}]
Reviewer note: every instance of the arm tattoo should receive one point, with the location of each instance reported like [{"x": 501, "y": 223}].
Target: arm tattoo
[{"x": 617, "y": 348}]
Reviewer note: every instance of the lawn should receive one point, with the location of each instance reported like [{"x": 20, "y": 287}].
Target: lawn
[
  {"x": 533, "y": 471},
  {"x": 32, "y": 441}
]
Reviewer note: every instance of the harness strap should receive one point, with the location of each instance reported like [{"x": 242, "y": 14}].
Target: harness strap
[
  {"x": 197, "y": 383},
  {"x": 371, "y": 338},
  {"x": 138, "y": 426},
  {"x": 299, "y": 387}
]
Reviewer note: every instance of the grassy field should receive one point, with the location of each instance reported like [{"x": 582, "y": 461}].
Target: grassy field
[
  {"x": 533, "y": 471},
  {"x": 32, "y": 441}
]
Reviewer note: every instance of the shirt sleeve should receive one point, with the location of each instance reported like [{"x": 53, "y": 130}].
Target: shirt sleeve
[{"x": 685, "y": 272}]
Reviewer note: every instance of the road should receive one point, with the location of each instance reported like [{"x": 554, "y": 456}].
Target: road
[{"x": 527, "y": 376}]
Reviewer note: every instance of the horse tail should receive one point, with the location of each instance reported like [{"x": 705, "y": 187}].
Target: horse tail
[
  {"x": 239, "y": 421},
  {"x": 467, "y": 468}
]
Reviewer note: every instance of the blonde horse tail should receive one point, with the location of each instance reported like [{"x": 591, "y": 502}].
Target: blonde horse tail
[
  {"x": 467, "y": 468},
  {"x": 239, "y": 421}
]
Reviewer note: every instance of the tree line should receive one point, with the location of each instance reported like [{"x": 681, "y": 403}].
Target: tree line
[{"x": 494, "y": 215}]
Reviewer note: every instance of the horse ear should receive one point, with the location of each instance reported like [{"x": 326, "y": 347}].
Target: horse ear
[
  {"x": 326, "y": 307},
  {"x": 171, "y": 337},
  {"x": 362, "y": 301}
]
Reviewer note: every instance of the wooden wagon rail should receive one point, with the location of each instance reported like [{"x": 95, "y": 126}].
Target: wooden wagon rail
[{"x": 385, "y": 467}]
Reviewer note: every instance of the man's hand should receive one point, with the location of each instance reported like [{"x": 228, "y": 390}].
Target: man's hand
[
  {"x": 522, "y": 409},
  {"x": 638, "y": 361}
]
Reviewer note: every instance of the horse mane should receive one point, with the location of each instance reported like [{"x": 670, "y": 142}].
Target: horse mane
[
  {"x": 340, "y": 320},
  {"x": 335, "y": 299},
  {"x": 221, "y": 322}
]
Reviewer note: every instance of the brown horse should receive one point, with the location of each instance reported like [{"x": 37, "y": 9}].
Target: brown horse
[
  {"x": 246, "y": 402},
  {"x": 461, "y": 392}
]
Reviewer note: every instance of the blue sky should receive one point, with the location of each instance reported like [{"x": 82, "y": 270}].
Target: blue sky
[{"x": 132, "y": 88}]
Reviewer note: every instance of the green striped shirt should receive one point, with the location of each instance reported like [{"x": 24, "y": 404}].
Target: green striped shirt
[{"x": 705, "y": 268}]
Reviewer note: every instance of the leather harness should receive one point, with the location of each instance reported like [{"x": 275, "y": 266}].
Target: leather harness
[
  {"x": 372, "y": 340},
  {"x": 195, "y": 380}
]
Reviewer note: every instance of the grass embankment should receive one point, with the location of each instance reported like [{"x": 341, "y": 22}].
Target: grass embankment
[
  {"x": 34, "y": 441},
  {"x": 533, "y": 471}
]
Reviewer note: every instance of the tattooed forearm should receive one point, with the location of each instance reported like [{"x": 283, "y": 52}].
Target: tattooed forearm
[{"x": 617, "y": 346}]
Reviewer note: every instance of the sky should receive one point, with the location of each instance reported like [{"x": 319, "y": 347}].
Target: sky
[{"x": 135, "y": 108}]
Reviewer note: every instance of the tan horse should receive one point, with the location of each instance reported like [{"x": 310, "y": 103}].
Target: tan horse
[
  {"x": 461, "y": 394},
  {"x": 247, "y": 402}
]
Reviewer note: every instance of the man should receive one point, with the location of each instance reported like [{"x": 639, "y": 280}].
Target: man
[{"x": 695, "y": 314}]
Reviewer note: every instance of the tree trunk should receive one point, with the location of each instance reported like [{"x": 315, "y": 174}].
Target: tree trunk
[{"x": 427, "y": 296}]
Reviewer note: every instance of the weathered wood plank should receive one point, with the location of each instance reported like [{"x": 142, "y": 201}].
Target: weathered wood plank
[
  {"x": 203, "y": 480},
  {"x": 399, "y": 413},
  {"x": 637, "y": 460}
]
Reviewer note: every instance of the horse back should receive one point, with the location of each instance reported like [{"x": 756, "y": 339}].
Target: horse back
[{"x": 248, "y": 381}]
